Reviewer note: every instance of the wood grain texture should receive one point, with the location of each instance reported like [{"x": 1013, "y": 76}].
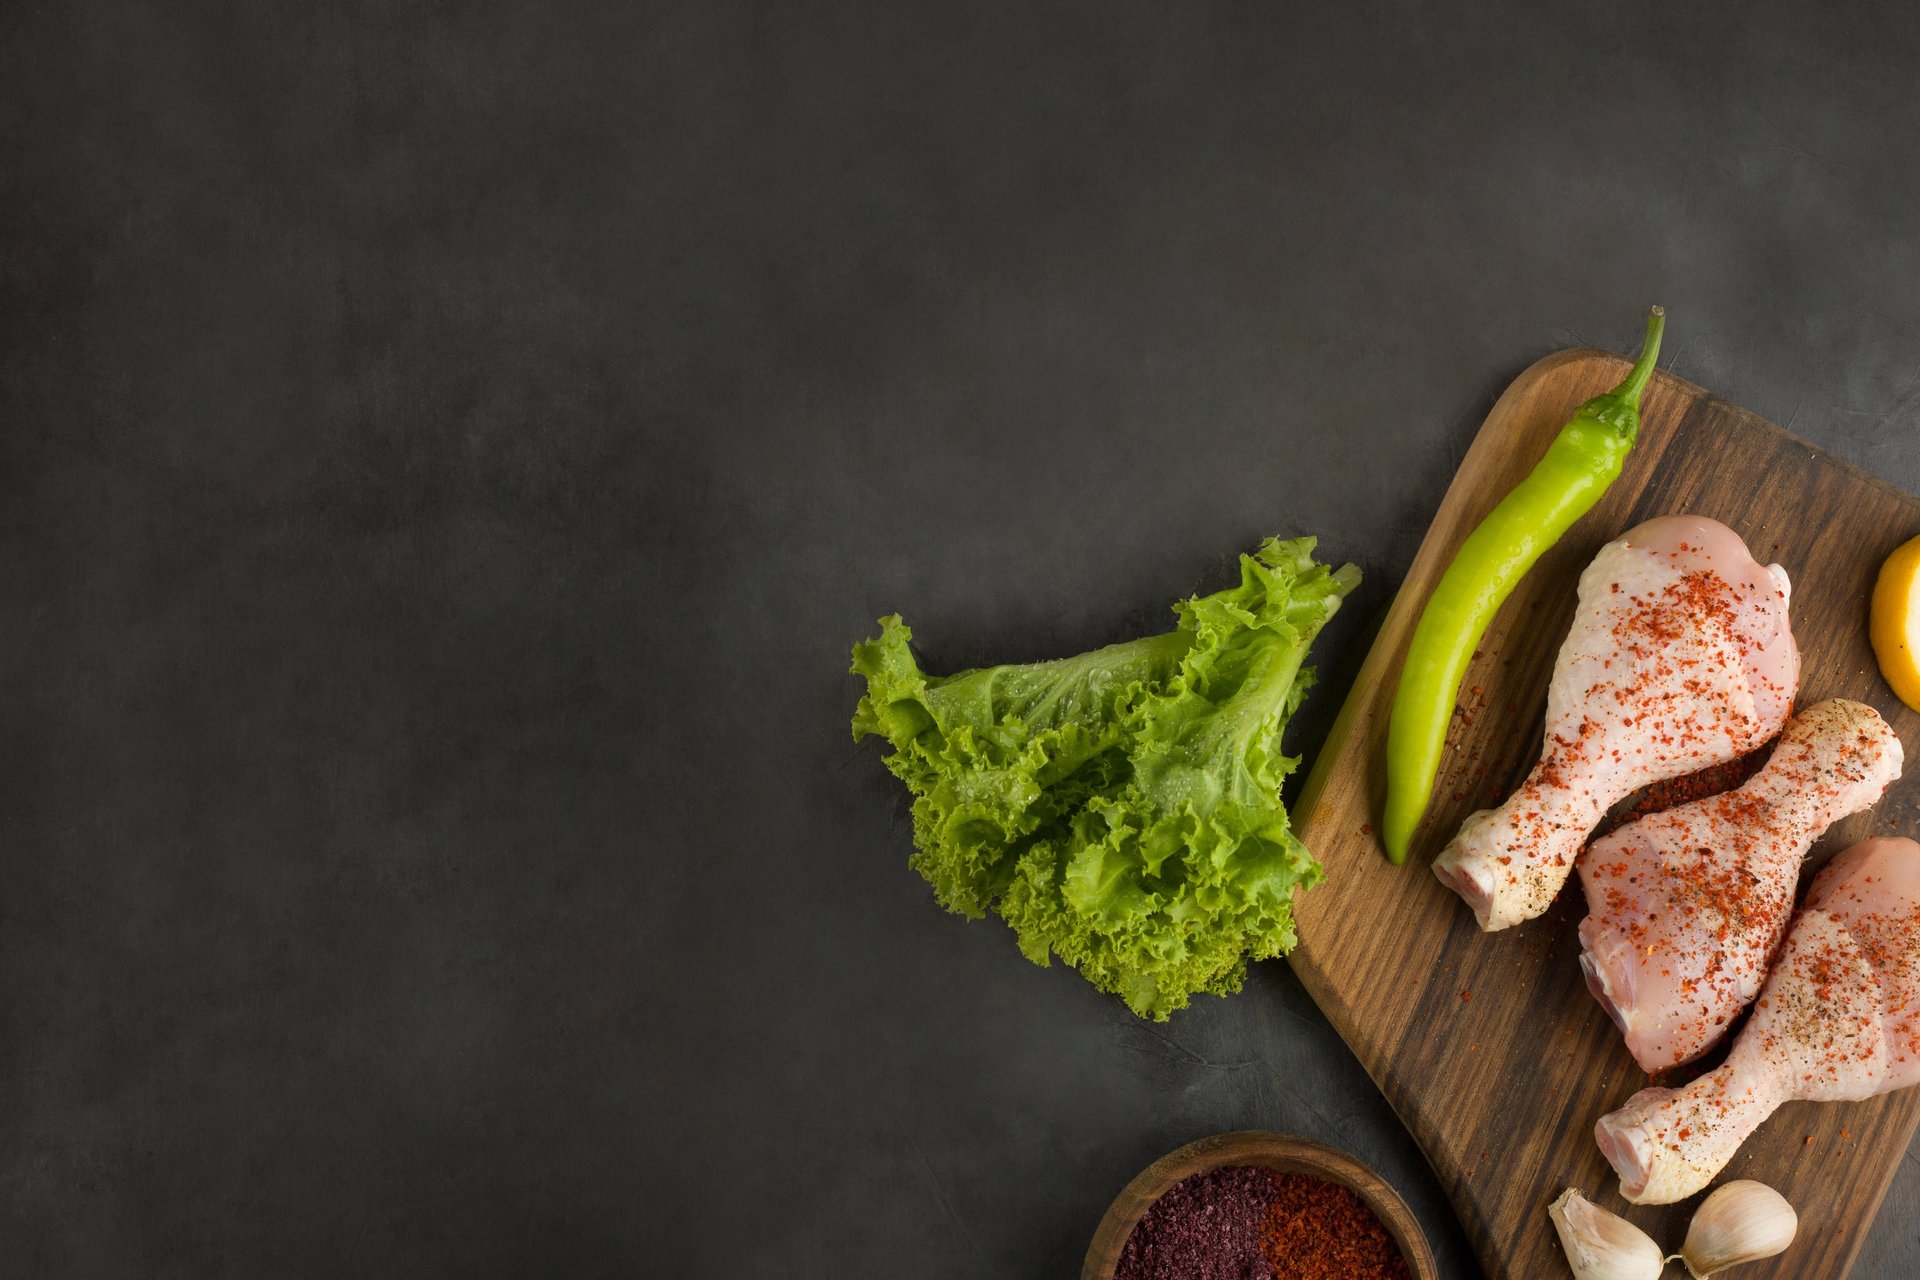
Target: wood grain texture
[
  {"x": 1488, "y": 1045},
  {"x": 1281, "y": 1152}
]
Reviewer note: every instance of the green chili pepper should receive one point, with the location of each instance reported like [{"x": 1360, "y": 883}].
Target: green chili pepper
[{"x": 1579, "y": 465}]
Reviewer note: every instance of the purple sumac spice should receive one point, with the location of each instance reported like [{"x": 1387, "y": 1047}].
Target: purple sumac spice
[{"x": 1206, "y": 1227}]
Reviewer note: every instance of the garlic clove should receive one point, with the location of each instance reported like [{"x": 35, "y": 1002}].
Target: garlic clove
[
  {"x": 1602, "y": 1245},
  {"x": 1740, "y": 1222}
]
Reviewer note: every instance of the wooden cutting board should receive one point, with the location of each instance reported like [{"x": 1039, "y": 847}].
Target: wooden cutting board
[{"x": 1488, "y": 1045}]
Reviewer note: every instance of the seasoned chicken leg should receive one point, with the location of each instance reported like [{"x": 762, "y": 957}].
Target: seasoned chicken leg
[
  {"x": 1687, "y": 906},
  {"x": 1680, "y": 657},
  {"x": 1838, "y": 1020}
]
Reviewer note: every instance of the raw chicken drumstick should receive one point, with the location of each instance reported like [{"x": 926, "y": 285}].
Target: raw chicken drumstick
[
  {"x": 1680, "y": 658},
  {"x": 1687, "y": 906},
  {"x": 1838, "y": 1020}
]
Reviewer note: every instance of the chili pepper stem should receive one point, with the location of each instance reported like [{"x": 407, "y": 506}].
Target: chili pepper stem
[{"x": 1637, "y": 377}]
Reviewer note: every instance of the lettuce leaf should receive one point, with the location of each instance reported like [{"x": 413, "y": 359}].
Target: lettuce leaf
[{"x": 1120, "y": 809}]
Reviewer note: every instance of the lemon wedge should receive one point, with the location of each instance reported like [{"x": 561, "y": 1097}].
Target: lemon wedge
[{"x": 1894, "y": 621}]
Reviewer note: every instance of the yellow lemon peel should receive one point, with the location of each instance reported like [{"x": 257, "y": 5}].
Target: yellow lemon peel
[{"x": 1894, "y": 621}]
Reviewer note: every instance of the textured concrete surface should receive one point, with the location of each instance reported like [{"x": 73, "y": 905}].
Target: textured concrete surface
[{"x": 446, "y": 452}]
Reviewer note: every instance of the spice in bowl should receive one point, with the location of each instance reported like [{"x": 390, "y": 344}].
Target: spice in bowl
[
  {"x": 1244, "y": 1222},
  {"x": 1319, "y": 1230}
]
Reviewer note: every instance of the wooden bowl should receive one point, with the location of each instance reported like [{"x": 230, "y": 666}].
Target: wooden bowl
[{"x": 1278, "y": 1151}]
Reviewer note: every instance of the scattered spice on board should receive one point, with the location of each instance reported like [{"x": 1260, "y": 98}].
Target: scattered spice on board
[
  {"x": 1246, "y": 1223},
  {"x": 1661, "y": 796}
]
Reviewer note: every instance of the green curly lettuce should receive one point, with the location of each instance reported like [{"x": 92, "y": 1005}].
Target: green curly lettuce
[{"x": 1120, "y": 809}]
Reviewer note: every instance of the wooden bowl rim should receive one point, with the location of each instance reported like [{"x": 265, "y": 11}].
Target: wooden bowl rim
[{"x": 1267, "y": 1149}]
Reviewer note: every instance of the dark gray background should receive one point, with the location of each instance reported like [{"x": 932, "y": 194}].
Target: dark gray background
[{"x": 446, "y": 452}]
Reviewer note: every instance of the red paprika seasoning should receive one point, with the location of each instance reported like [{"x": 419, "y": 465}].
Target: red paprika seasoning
[{"x": 1317, "y": 1230}]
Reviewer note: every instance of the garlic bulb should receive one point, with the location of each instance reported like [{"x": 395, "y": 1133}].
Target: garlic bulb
[
  {"x": 1602, "y": 1245},
  {"x": 1740, "y": 1222}
]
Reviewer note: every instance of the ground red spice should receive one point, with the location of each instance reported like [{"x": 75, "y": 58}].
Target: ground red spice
[
  {"x": 1661, "y": 796},
  {"x": 1246, "y": 1223},
  {"x": 1318, "y": 1230}
]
